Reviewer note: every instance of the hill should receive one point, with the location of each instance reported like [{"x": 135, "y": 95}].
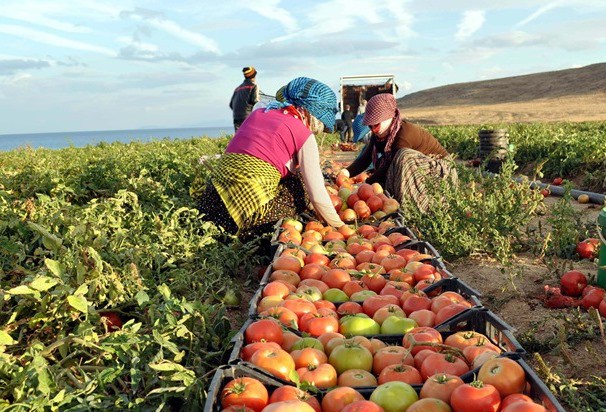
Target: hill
[{"x": 563, "y": 95}]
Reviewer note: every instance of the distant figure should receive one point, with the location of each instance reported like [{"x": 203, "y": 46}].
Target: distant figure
[
  {"x": 340, "y": 127},
  {"x": 361, "y": 132},
  {"x": 347, "y": 116},
  {"x": 245, "y": 96},
  {"x": 362, "y": 107}
]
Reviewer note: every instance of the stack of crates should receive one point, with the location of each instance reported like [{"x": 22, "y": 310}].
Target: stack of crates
[{"x": 476, "y": 318}]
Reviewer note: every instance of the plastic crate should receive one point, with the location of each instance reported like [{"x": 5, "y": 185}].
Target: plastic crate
[
  {"x": 484, "y": 321},
  {"x": 227, "y": 373},
  {"x": 538, "y": 389},
  {"x": 452, "y": 284}
]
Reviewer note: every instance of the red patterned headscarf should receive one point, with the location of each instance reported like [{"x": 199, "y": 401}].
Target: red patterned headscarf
[{"x": 379, "y": 108}]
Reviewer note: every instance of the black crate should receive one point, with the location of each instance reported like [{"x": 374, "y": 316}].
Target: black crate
[
  {"x": 452, "y": 284},
  {"x": 227, "y": 373},
  {"x": 484, "y": 321},
  {"x": 539, "y": 391}
]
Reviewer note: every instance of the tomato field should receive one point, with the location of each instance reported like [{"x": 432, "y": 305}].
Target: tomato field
[{"x": 115, "y": 293}]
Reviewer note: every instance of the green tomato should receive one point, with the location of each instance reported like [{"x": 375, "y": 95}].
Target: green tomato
[
  {"x": 308, "y": 342},
  {"x": 362, "y": 295},
  {"x": 359, "y": 324},
  {"x": 335, "y": 295},
  {"x": 397, "y": 325},
  {"x": 394, "y": 396},
  {"x": 312, "y": 293},
  {"x": 350, "y": 355}
]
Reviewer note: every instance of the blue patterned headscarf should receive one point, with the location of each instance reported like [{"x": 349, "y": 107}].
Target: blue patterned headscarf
[
  {"x": 359, "y": 128},
  {"x": 315, "y": 96}
]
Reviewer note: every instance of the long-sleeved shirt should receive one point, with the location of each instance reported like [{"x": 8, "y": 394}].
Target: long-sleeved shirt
[
  {"x": 283, "y": 141},
  {"x": 243, "y": 99},
  {"x": 410, "y": 136}
]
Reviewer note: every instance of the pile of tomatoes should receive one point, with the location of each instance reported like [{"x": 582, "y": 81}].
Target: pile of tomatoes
[{"x": 358, "y": 319}]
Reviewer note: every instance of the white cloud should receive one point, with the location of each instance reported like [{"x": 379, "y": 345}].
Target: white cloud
[
  {"x": 270, "y": 10},
  {"x": 539, "y": 12},
  {"x": 157, "y": 20},
  {"x": 472, "y": 21},
  {"x": 53, "y": 40}
]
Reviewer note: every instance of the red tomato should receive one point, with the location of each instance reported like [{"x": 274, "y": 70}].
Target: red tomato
[
  {"x": 586, "y": 250},
  {"x": 443, "y": 363},
  {"x": 390, "y": 355},
  {"x": 248, "y": 350},
  {"x": 373, "y": 303},
  {"x": 293, "y": 405},
  {"x": 268, "y": 330},
  {"x": 308, "y": 357},
  {"x": 423, "y": 317},
  {"x": 416, "y": 302},
  {"x": 322, "y": 376},
  {"x": 461, "y": 340},
  {"x": 593, "y": 298},
  {"x": 401, "y": 373},
  {"x": 112, "y": 320},
  {"x": 237, "y": 408},
  {"x": 349, "y": 308},
  {"x": 362, "y": 406},
  {"x": 449, "y": 311},
  {"x": 515, "y": 397},
  {"x": 573, "y": 283},
  {"x": 522, "y": 406},
  {"x": 475, "y": 397},
  {"x": 557, "y": 181},
  {"x": 318, "y": 323},
  {"x": 286, "y": 393},
  {"x": 440, "y": 386},
  {"x": 356, "y": 378},
  {"x": 278, "y": 362},
  {"x": 284, "y": 315},
  {"x": 338, "y": 398},
  {"x": 249, "y": 392},
  {"x": 429, "y": 405},
  {"x": 505, "y": 374},
  {"x": 417, "y": 336}
]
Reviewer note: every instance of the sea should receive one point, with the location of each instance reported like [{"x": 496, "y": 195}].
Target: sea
[{"x": 59, "y": 140}]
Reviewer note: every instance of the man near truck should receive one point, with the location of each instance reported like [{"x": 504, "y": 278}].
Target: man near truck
[{"x": 347, "y": 116}]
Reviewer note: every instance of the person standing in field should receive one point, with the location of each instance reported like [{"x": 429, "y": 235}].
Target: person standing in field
[
  {"x": 244, "y": 97},
  {"x": 271, "y": 167},
  {"x": 404, "y": 155},
  {"x": 347, "y": 116}
]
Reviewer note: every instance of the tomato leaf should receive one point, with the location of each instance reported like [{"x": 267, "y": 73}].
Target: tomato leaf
[
  {"x": 43, "y": 283},
  {"x": 21, "y": 290},
  {"x": 6, "y": 339},
  {"x": 56, "y": 267},
  {"x": 78, "y": 302},
  {"x": 142, "y": 298}
]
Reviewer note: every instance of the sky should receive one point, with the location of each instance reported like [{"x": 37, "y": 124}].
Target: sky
[{"x": 128, "y": 64}]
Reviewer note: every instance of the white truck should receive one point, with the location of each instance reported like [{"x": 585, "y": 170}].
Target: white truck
[{"x": 354, "y": 89}]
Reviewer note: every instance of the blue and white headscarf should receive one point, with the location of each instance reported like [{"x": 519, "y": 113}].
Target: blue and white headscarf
[
  {"x": 314, "y": 96},
  {"x": 360, "y": 130}
]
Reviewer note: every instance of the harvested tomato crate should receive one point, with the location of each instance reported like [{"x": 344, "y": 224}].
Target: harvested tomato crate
[
  {"x": 227, "y": 373},
  {"x": 484, "y": 321}
]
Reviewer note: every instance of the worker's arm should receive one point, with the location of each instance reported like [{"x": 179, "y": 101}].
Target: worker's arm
[
  {"x": 309, "y": 161},
  {"x": 362, "y": 162}
]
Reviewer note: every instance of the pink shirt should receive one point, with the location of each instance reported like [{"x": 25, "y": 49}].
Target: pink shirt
[{"x": 274, "y": 137}]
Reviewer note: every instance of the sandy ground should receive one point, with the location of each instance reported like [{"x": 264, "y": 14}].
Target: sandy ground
[{"x": 571, "y": 108}]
